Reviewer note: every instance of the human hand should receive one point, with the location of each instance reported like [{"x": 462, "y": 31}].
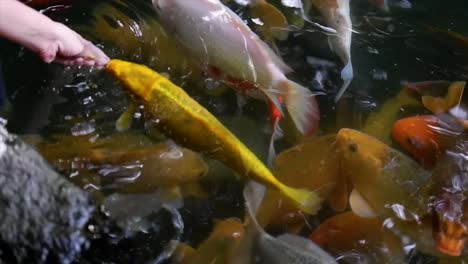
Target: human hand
[
  {"x": 68, "y": 47},
  {"x": 52, "y": 41}
]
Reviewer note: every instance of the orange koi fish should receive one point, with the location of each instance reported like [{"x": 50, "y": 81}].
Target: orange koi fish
[{"x": 420, "y": 137}]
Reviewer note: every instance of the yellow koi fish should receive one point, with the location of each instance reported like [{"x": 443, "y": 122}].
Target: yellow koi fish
[
  {"x": 182, "y": 119},
  {"x": 379, "y": 124}
]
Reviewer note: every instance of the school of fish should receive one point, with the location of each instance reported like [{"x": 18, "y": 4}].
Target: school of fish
[{"x": 387, "y": 186}]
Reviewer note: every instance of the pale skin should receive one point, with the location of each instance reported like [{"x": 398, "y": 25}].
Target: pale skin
[{"x": 51, "y": 41}]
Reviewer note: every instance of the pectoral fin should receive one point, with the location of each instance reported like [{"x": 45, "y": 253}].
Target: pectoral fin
[
  {"x": 125, "y": 120},
  {"x": 360, "y": 206}
]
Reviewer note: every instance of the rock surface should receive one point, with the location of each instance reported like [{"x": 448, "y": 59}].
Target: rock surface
[{"x": 42, "y": 215}]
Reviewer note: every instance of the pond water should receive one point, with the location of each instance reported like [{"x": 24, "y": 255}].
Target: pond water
[{"x": 77, "y": 109}]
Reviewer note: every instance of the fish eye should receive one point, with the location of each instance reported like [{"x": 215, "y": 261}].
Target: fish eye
[
  {"x": 413, "y": 142},
  {"x": 353, "y": 147}
]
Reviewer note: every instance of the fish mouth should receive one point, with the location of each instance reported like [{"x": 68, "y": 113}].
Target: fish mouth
[
  {"x": 450, "y": 236},
  {"x": 449, "y": 231},
  {"x": 449, "y": 245}
]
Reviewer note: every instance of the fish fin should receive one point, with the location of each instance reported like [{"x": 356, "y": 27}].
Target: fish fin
[
  {"x": 277, "y": 60},
  {"x": 307, "y": 245},
  {"x": 306, "y": 200},
  {"x": 126, "y": 118},
  {"x": 347, "y": 76},
  {"x": 455, "y": 93},
  {"x": 424, "y": 87},
  {"x": 360, "y": 206},
  {"x": 453, "y": 98},
  {"x": 301, "y": 105},
  {"x": 274, "y": 99},
  {"x": 253, "y": 196},
  {"x": 277, "y": 134},
  {"x": 347, "y": 72}
]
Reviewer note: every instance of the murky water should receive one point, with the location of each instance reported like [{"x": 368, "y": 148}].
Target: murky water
[{"x": 80, "y": 105}]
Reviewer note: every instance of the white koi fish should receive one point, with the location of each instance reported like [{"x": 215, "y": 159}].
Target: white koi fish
[
  {"x": 336, "y": 14},
  {"x": 220, "y": 39}
]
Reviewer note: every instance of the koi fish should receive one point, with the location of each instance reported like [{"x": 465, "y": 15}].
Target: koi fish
[
  {"x": 451, "y": 226},
  {"x": 421, "y": 137},
  {"x": 219, "y": 248},
  {"x": 424, "y": 87},
  {"x": 272, "y": 21},
  {"x": 122, "y": 156},
  {"x": 285, "y": 248},
  {"x": 394, "y": 185},
  {"x": 449, "y": 200},
  {"x": 234, "y": 242},
  {"x": 219, "y": 38},
  {"x": 182, "y": 119},
  {"x": 340, "y": 231},
  {"x": 347, "y": 231},
  {"x": 437, "y": 96},
  {"x": 381, "y": 175},
  {"x": 139, "y": 36},
  {"x": 313, "y": 164},
  {"x": 427, "y": 137},
  {"x": 379, "y": 124},
  {"x": 452, "y": 99},
  {"x": 337, "y": 15}
]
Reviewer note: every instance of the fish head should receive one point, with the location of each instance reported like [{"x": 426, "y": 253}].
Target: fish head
[
  {"x": 138, "y": 79},
  {"x": 418, "y": 136},
  {"x": 385, "y": 178},
  {"x": 362, "y": 158},
  {"x": 359, "y": 150},
  {"x": 450, "y": 228}
]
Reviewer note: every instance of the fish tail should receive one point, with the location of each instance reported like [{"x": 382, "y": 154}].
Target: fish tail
[
  {"x": 301, "y": 105},
  {"x": 346, "y": 75},
  {"x": 307, "y": 201}
]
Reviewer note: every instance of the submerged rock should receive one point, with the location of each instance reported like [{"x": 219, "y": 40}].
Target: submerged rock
[{"x": 42, "y": 215}]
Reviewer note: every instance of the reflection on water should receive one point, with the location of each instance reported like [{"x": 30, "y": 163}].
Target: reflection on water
[{"x": 419, "y": 209}]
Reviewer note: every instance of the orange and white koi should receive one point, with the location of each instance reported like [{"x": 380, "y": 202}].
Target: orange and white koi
[{"x": 219, "y": 38}]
